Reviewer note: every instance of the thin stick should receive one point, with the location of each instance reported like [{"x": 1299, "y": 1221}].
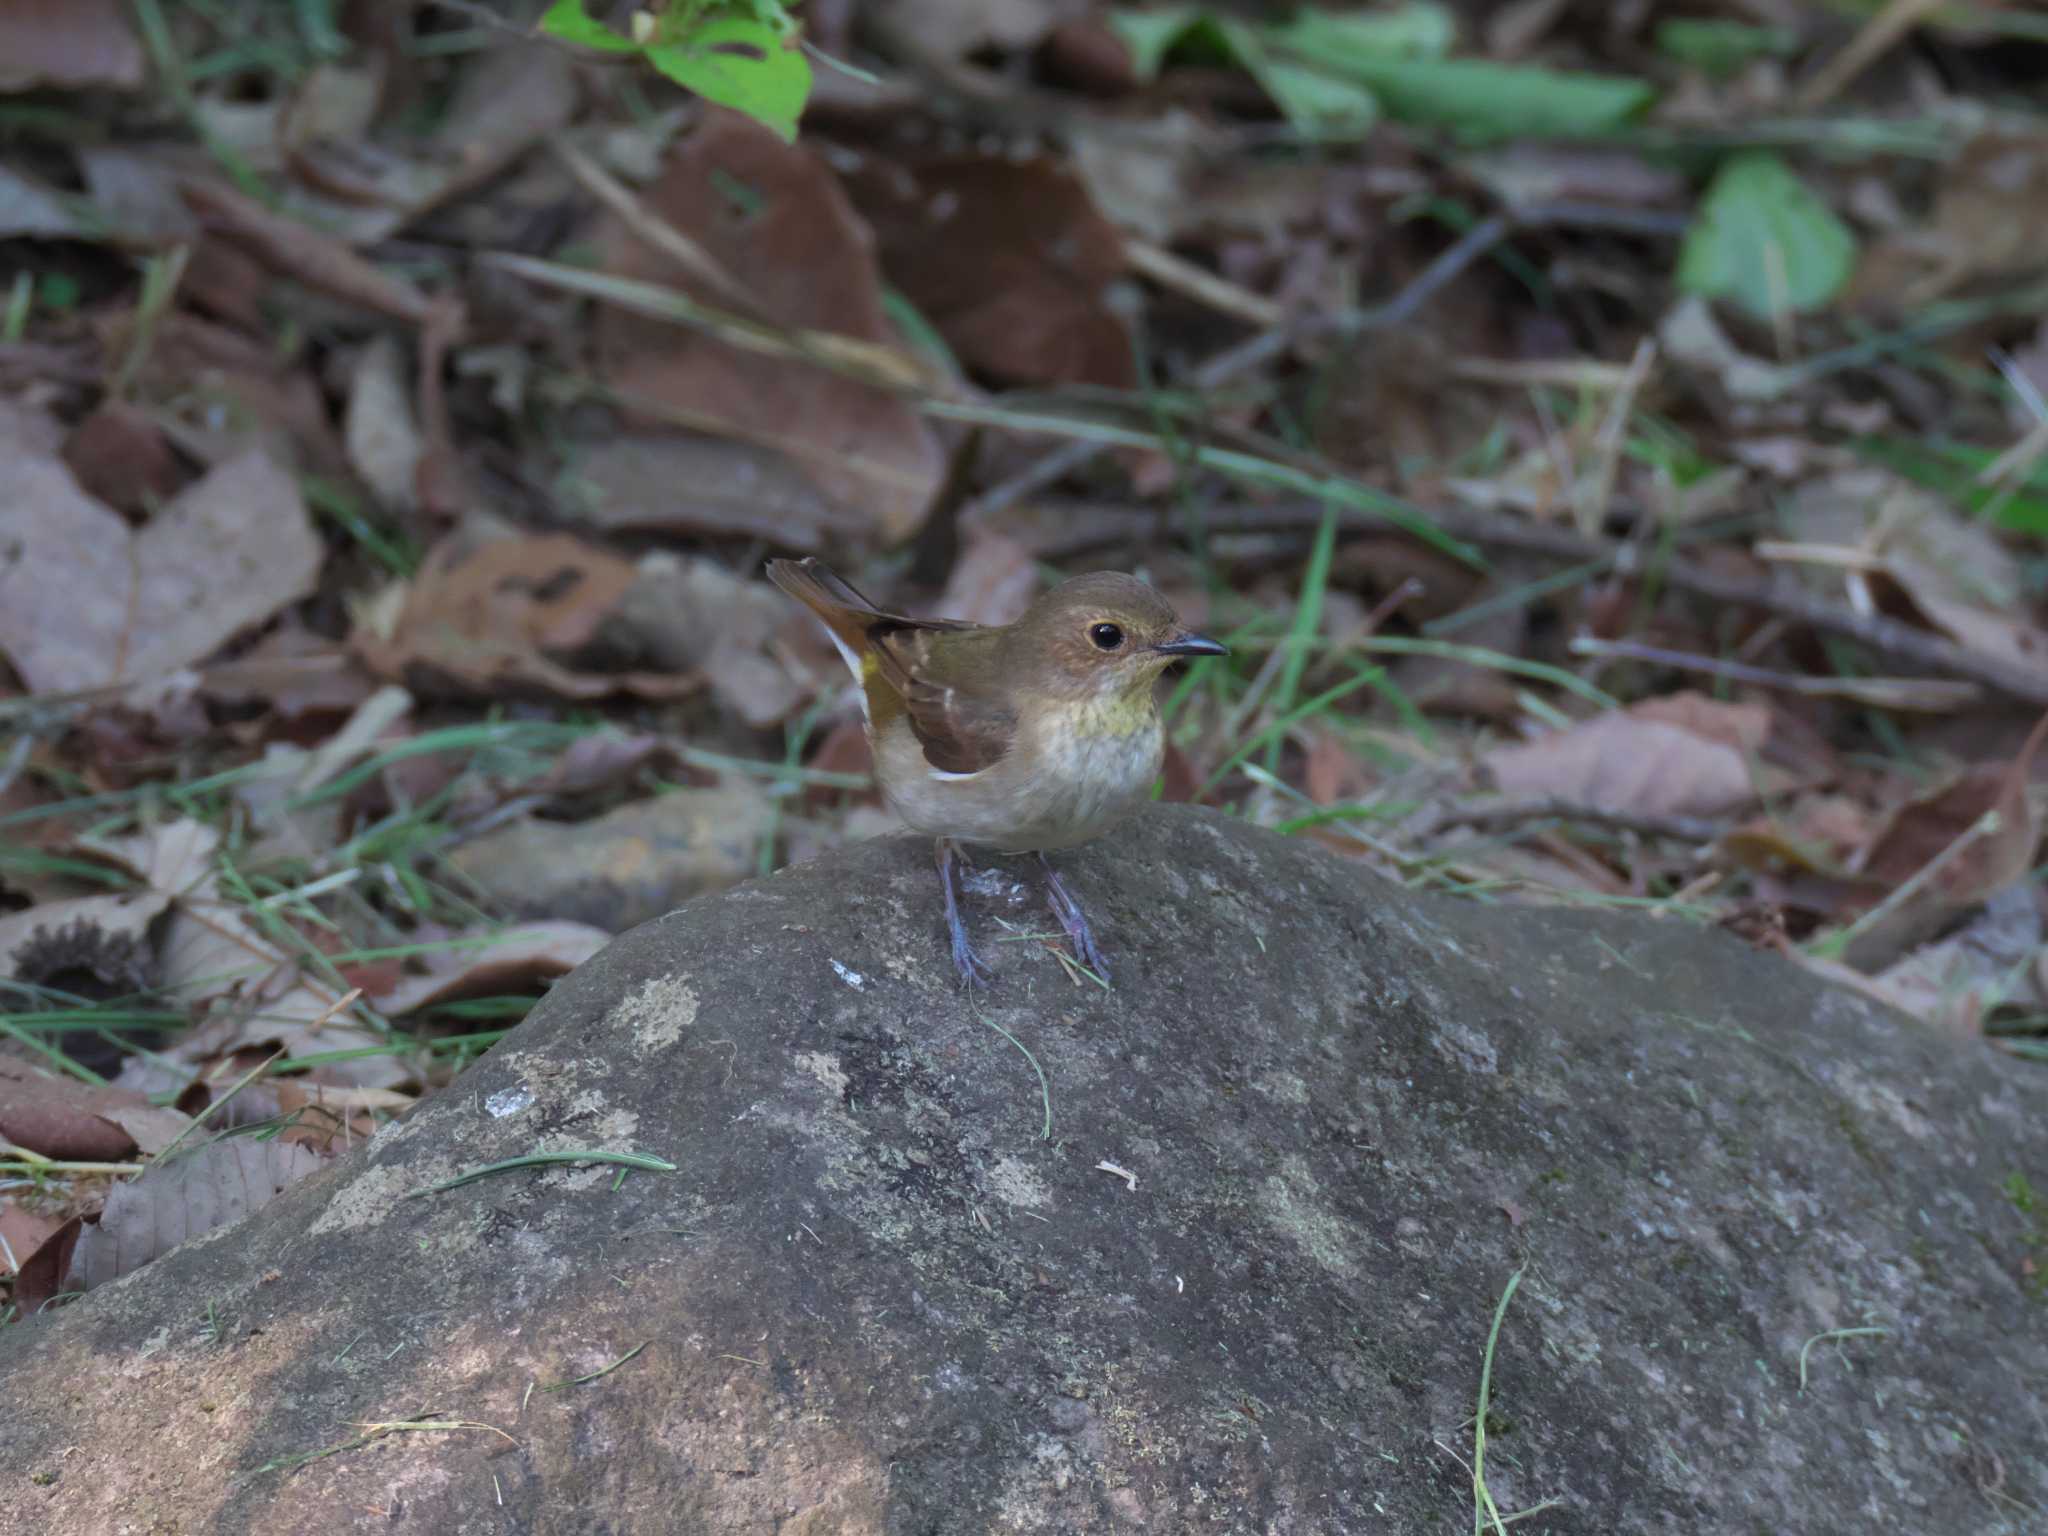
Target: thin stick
[
  {"x": 1932, "y": 694},
  {"x": 1513, "y": 812},
  {"x": 1878, "y": 35}
]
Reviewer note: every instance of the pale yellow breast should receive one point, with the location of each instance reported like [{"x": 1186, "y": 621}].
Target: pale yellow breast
[{"x": 1074, "y": 772}]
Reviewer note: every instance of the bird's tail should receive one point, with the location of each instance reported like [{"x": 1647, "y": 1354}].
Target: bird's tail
[{"x": 845, "y": 613}]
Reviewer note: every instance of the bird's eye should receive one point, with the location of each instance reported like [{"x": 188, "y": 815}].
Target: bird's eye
[{"x": 1107, "y": 637}]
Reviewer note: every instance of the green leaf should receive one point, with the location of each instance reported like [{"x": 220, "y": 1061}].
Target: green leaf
[
  {"x": 1413, "y": 31},
  {"x": 741, "y": 63},
  {"x": 1762, "y": 239},
  {"x": 1319, "y": 106},
  {"x": 1719, "y": 48},
  {"x": 568, "y": 20},
  {"x": 1151, "y": 35},
  {"x": 1479, "y": 101}
]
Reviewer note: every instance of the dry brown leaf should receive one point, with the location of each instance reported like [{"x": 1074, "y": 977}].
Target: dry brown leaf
[
  {"x": 22, "y": 1232},
  {"x": 629, "y": 482},
  {"x": 1988, "y": 203},
  {"x": 84, "y": 603},
  {"x": 635, "y": 863},
  {"x": 1929, "y": 825},
  {"x": 689, "y": 614},
  {"x": 382, "y": 435},
  {"x": 42, "y": 1272},
  {"x": 62, "y": 1118},
  {"x": 185, "y": 1198},
  {"x": 992, "y": 582},
  {"x": 29, "y": 210},
  {"x": 1953, "y": 983},
  {"x": 293, "y": 672},
  {"x": 214, "y": 957},
  {"x": 121, "y": 457},
  {"x": 505, "y": 101},
  {"x": 509, "y": 613},
  {"x": 67, "y": 45},
  {"x": 313, "y": 256},
  {"x": 508, "y": 960},
  {"x": 224, "y": 393},
  {"x": 1009, "y": 259},
  {"x": 106, "y": 936},
  {"x": 1685, "y": 755},
  {"x": 776, "y": 215}
]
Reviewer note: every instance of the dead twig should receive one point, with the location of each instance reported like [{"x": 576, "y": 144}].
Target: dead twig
[
  {"x": 1930, "y": 694},
  {"x": 1497, "y": 815}
]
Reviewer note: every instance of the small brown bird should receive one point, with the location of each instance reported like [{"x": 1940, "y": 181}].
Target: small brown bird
[{"x": 1024, "y": 737}]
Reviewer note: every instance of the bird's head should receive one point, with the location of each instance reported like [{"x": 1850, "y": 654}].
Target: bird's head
[{"x": 1102, "y": 635}]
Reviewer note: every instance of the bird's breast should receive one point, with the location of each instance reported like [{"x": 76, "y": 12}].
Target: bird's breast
[{"x": 1072, "y": 774}]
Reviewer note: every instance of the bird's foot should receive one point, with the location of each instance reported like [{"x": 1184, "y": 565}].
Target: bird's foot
[
  {"x": 974, "y": 971},
  {"x": 1075, "y": 922}
]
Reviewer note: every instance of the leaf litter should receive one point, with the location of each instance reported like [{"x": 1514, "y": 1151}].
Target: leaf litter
[{"x": 397, "y": 421}]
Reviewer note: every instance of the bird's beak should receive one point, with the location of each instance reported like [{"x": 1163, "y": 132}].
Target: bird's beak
[{"x": 1191, "y": 645}]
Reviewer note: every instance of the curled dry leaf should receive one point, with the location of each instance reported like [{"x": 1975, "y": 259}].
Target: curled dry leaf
[
  {"x": 105, "y": 937},
  {"x": 1685, "y": 755},
  {"x": 508, "y": 960},
  {"x": 185, "y": 1198},
  {"x": 776, "y": 215},
  {"x": 510, "y": 613},
  {"x": 62, "y": 1118},
  {"x": 84, "y": 603}
]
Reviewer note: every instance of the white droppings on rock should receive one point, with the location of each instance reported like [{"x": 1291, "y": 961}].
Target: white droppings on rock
[{"x": 508, "y": 1101}]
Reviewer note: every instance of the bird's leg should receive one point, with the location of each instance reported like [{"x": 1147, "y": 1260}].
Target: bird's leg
[
  {"x": 970, "y": 966},
  {"x": 1074, "y": 920}
]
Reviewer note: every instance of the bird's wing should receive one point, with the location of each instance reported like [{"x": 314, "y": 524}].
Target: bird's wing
[{"x": 962, "y": 730}]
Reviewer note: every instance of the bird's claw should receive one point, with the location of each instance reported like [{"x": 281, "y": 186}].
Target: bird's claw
[
  {"x": 1075, "y": 922},
  {"x": 974, "y": 971}
]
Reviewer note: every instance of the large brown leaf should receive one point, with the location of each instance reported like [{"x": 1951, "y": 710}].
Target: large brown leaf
[
  {"x": 776, "y": 218},
  {"x": 184, "y": 1198},
  {"x": 84, "y": 603}
]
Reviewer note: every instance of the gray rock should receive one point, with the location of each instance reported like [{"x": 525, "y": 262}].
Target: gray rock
[{"x": 873, "y": 1298}]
